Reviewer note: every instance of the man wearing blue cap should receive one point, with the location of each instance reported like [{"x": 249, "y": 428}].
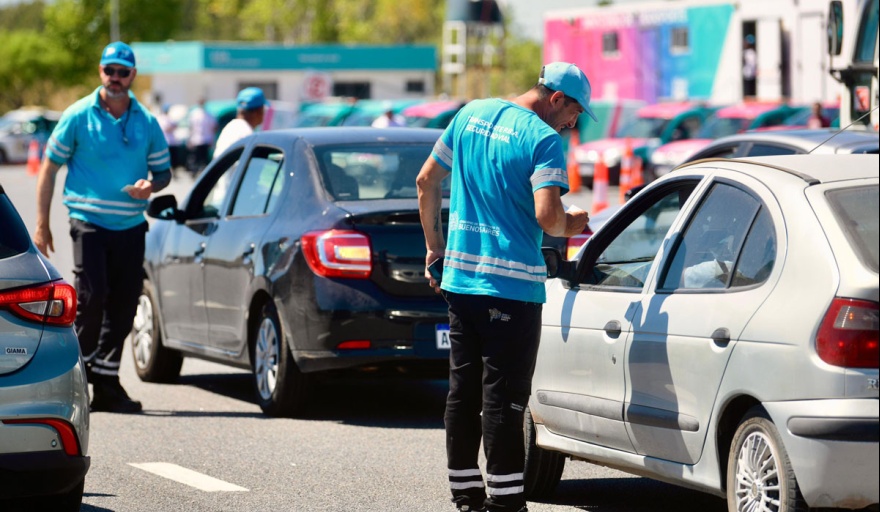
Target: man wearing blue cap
[
  {"x": 111, "y": 146},
  {"x": 508, "y": 173},
  {"x": 251, "y": 105}
]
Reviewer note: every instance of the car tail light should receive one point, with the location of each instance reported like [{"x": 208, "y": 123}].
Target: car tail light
[
  {"x": 69, "y": 441},
  {"x": 338, "y": 253},
  {"x": 52, "y": 303},
  {"x": 573, "y": 245},
  {"x": 848, "y": 335}
]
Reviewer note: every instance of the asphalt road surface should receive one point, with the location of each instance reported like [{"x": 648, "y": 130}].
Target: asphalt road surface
[{"x": 366, "y": 444}]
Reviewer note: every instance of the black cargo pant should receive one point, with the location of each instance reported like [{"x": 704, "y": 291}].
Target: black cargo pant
[
  {"x": 493, "y": 347},
  {"x": 108, "y": 276}
]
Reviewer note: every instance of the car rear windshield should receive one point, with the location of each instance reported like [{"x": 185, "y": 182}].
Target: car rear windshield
[
  {"x": 856, "y": 210},
  {"x": 14, "y": 238},
  {"x": 373, "y": 171}
]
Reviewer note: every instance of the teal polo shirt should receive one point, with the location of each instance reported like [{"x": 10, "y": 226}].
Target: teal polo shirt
[
  {"x": 499, "y": 154},
  {"x": 104, "y": 154}
]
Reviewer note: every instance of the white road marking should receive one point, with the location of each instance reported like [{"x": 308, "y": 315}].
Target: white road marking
[{"x": 187, "y": 476}]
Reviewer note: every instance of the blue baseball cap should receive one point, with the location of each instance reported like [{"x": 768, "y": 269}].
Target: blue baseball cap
[
  {"x": 118, "y": 53},
  {"x": 570, "y": 81},
  {"x": 251, "y": 98}
]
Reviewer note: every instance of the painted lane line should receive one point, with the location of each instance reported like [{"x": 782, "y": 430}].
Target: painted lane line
[{"x": 187, "y": 476}]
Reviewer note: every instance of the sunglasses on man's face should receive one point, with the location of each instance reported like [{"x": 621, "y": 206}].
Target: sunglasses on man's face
[{"x": 120, "y": 72}]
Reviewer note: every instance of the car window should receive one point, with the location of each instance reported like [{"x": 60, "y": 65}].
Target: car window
[
  {"x": 763, "y": 149},
  {"x": 626, "y": 260},
  {"x": 856, "y": 211},
  {"x": 259, "y": 183},
  {"x": 210, "y": 193},
  {"x": 708, "y": 255},
  {"x": 373, "y": 171},
  {"x": 14, "y": 237},
  {"x": 688, "y": 128},
  {"x": 721, "y": 152}
]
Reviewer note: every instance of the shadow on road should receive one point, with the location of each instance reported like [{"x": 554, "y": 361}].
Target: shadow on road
[
  {"x": 632, "y": 495},
  {"x": 370, "y": 401}
]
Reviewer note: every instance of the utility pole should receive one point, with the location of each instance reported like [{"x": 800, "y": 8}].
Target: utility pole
[{"x": 114, "y": 20}]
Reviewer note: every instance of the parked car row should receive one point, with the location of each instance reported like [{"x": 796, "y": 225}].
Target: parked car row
[
  {"x": 663, "y": 135},
  {"x": 19, "y": 127},
  {"x": 349, "y": 112}
]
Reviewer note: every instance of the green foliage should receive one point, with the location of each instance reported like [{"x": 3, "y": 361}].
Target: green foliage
[
  {"x": 31, "y": 67},
  {"x": 27, "y": 15}
]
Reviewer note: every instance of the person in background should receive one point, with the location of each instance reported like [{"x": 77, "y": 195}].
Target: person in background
[
  {"x": 388, "y": 119},
  {"x": 175, "y": 147},
  {"x": 750, "y": 68},
  {"x": 202, "y": 128},
  {"x": 508, "y": 173},
  {"x": 251, "y": 105},
  {"x": 111, "y": 145},
  {"x": 817, "y": 118}
]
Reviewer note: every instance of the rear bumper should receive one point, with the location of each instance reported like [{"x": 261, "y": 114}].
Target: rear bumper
[
  {"x": 833, "y": 447},
  {"x": 40, "y": 473}
]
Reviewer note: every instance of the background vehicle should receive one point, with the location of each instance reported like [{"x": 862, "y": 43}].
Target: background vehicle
[
  {"x": 327, "y": 113},
  {"x": 726, "y": 121},
  {"x": 684, "y": 343},
  {"x": 19, "y": 127},
  {"x": 366, "y": 111},
  {"x": 44, "y": 398},
  {"x": 432, "y": 114},
  {"x": 653, "y": 126},
  {"x": 285, "y": 260},
  {"x": 791, "y": 142}
]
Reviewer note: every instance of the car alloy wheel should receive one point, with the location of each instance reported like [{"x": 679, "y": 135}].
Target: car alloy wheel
[
  {"x": 142, "y": 333},
  {"x": 266, "y": 358},
  {"x": 152, "y": 361},
  {"x": 759, "y": 473}
]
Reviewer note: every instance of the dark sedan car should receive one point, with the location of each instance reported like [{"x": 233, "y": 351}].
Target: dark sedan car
[{"x": 296, "y": 252}]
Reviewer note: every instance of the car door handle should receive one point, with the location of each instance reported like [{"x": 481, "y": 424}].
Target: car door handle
[
  {"x": 200, "y": 250},
  {"x": 721, "y": 336},
  {"x": 250, "y": 250},
  {"x": 612, "y": 328}
]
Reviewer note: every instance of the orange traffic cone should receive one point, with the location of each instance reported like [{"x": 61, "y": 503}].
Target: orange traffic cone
[
  {"x": 626, "y": 163},
  {"x": 33, "y": 161},
  {"x": 600, "y": 186},
  {"x": 636, "y": 177},
  {"x": 574, "y": 170}
]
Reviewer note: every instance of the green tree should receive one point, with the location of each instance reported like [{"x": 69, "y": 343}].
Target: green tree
[{"x": 31, "y": 68}]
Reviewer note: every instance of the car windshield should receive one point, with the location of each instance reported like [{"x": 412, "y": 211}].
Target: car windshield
[
  {"x": 722, "y": 127},
  {"x": 643, "y": 128},
  {"x": 373, "y": 171},
  {"x": 856, "y": 211}
]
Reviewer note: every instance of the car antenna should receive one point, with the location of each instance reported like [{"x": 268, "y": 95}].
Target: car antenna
[{"x": 843, "y": 129}]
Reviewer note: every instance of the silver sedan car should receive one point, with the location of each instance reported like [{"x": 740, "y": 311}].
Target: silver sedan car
[
  {"x": 44, "y": 399},
  {"x": 721, "y": 332}
]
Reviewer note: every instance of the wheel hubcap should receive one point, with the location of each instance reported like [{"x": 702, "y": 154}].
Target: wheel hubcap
[
  {"x": 266, "y": 359},
  {"x": 757, "y": 476},
  {"x": 142, "y": 338}
]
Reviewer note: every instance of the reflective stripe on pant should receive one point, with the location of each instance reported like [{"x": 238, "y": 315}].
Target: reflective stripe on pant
[
  {"x": 108, "y": 276},
  {"x": 493, "y": 346}
]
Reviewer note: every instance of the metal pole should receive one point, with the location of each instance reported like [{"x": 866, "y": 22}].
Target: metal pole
[{"x": 114, "y": 20}]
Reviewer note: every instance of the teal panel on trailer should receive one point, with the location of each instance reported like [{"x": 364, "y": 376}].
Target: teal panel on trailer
[{"x": 709, "y": 27}]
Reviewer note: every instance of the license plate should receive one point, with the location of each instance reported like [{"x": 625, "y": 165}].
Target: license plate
[{"x": 442, "y": 331}]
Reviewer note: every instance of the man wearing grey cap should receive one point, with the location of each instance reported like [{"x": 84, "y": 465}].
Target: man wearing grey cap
[
  {"x": 508, "y": 174},
  {"x": 111, "y": 146}
]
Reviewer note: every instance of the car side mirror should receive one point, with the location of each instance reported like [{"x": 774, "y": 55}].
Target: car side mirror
[
  {"x": 835, "y": 27},
  {"x": 557, "y": 266},
  {"x": 164, "y": 208}
]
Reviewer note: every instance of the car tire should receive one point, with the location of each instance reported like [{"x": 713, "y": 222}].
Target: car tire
[
  {"x": 759, "y": 472},
  {"x": 282, "y": 389},
  {"x": 70, "y": 501},
  {"x": 153, "y": 362},
  {"x": 543, "y": 468}
]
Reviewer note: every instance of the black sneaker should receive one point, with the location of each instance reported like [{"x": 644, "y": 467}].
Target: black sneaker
[{"x": 109, "y": 396}]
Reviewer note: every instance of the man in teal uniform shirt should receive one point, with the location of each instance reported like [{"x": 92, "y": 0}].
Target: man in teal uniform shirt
[
  {"x": 508, "y": 173},
  {"x": 111, "y": 145}
]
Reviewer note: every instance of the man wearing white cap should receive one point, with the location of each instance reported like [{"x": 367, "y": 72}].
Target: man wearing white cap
[
  {"x": 251, "y": 105},
  {"x": 508, "y": 173}
]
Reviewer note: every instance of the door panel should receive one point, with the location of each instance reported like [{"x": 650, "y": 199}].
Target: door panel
[{"x": 180, "y": 282}]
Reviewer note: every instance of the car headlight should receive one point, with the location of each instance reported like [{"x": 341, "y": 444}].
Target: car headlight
[{"x": 612, "y": 156}]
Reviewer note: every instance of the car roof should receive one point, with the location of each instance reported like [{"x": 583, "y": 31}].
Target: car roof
[
  {"x": 667, "y": 110},
  {"x": 432, "y": 108},
  {"x": 831, "y": 140},
  {"x": 813, "y": 169},
  {"x": 350, "y": 135},
  {"x": 748, "y": 110}
]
